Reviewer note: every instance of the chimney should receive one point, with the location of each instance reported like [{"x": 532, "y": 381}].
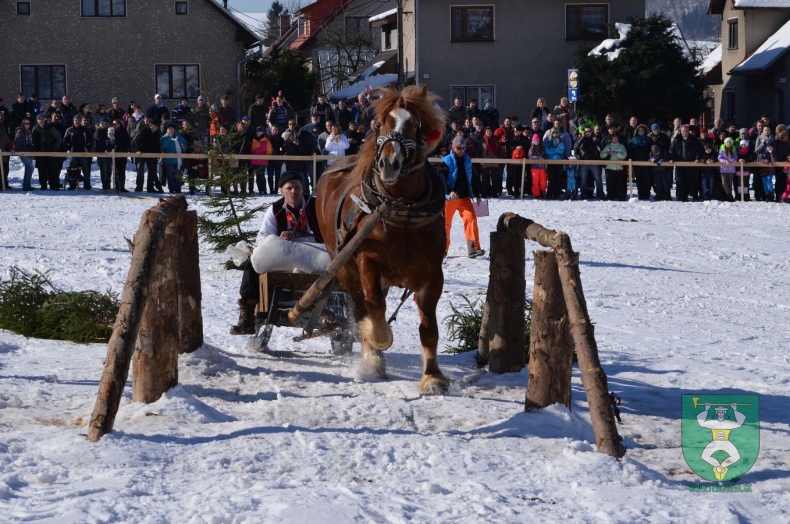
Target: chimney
[{"x": 285, "y": 23}]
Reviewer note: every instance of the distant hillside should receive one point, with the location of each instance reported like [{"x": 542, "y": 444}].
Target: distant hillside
[{"x": 690, "y": 17}]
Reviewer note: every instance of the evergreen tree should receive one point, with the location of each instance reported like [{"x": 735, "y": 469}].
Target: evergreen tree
[
  {"x": 229, "y": 207},
  {"x": 651, "y": 78},
  {"x": 285, "y": 71}
]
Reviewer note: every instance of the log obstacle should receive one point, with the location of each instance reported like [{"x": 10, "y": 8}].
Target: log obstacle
[
  {"x": 559, "y": 321},
  {"x": 159, "y": 316}
]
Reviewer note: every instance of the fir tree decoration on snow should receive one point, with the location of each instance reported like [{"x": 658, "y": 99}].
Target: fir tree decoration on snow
[
  {"x": 32, "y": 306},
  {"x": 464, "y": 324}
]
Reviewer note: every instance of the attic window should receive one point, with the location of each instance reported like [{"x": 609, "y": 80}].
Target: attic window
[
  {"x": 103, "y": 8},
  {"x": 182, "y": 8},
  {"x": 23, "y": 8}
]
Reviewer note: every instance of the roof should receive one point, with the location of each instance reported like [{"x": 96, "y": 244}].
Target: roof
[
  {"x": 716, "y": 7},
  {"x": 712, "y": 60},
  {"x": 243, "y": 33},
  {"x": 384, "y": 18},
  {"x": 370, "y": 83},
  {"x": 774, "y": 48}
]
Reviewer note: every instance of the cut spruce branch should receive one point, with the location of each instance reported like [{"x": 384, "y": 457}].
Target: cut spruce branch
[{"x": 32, "y": 306}]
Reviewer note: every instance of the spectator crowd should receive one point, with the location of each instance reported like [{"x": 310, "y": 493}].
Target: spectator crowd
[{"x": 271, "y": 128}]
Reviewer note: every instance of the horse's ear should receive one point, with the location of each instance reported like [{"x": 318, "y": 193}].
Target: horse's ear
[{"x": 424, "y": 90}]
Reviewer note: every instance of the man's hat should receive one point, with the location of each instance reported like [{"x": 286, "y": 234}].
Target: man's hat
[
  {"x": 289, "y": 176},
  {"x": 655, "y": 126},
  {"x": 721, "y": 409},
  {"x": 114, "y": 100}
]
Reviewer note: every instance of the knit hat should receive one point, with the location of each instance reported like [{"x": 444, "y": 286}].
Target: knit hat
[
  {"x": 654, "y": 127},
  {"x": 289, "y": 176},
  {"x": 728, "y": 141},
  {"x": 536, "y": 138},
  {"x": 744, "y": 131},
  {"x": 655, "y": 149}
]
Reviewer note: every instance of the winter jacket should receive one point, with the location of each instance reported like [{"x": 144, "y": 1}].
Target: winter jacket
[
  {"x": 147, "y": 141},
  {"x": 728, "y": 156},
  {"x": 452, "y": 174},
  {"x": 614, "y": 151},
  {"x": 23, "y": 140},
  {"x": 639, "y": 147},
  {"x": 280, "y": 115},
  {"x": 692, "y": 151},
  {"x": 180, "y": 113},
  {"x": 78, "y": 140},
  {"x": 156, "y": 112},
  {"x": 336, "y": 148},
  {"x": 555, "y": 148},
  {"x": 168, "y": 145},
  {"x": 100, "y": 140},
  {"x": 43, "y": 139},
  {"x": 260, "y": 146},
  {"x": 123, "y": 141},
  {"x": 585, "y": 148}
]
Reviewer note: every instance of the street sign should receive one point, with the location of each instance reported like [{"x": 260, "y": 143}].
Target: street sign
[{"x": 573, "y": 85}]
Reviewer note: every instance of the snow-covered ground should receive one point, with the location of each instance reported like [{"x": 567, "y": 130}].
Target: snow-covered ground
[{"x": 686, "y": 298}]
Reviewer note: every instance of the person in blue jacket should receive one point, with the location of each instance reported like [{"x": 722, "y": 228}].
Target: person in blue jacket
[{"x": 461, "y": 188}]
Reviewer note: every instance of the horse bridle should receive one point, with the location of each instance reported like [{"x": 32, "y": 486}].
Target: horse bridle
[{"x": 409, "y": 146}]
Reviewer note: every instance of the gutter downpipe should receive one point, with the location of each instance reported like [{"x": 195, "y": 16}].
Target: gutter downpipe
[{"x": 239, "y": 65}]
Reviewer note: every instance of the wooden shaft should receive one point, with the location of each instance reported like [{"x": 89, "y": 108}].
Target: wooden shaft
[
  {"x": 2, "y": 172},
  {"x": 309, "y": 299}
]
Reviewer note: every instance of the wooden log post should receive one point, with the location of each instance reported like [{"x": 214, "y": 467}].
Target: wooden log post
[
  {"x": 593, "y": 376},
  {"x": 506, "y": 301},
  {"x": 155, "y": 359},
  {"x": 484, "y": 338},
  {"x": 190, "y": 316},
  {"x": 148, "y": 243},
  {"x": 551, "y": 345}
]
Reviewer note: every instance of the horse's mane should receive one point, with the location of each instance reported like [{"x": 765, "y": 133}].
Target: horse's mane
[{"x": 415, "y": 100}]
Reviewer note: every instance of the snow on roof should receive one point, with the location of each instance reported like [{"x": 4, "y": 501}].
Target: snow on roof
[
  {"x": 382, "y": 16},
  {"x": 711, "y": 60},
  {"x": 746, "y": 4},
  {"x": 371, "y": 82},
  {"x": 774, "y": 48},
  {"x": 609, "y": 43}
]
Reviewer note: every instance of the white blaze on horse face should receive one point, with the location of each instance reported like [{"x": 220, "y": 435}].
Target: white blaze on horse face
[{"x": 401, "y": 116}]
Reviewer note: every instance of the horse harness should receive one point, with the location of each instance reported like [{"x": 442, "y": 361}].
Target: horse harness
[{"x": 397, "y": 212}]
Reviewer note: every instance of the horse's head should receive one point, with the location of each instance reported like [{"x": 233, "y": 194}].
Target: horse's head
[{"x": 407, "y": 129}]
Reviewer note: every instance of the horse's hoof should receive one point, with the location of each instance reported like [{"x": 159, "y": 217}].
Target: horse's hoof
[
  {"x": 367, "y": 330},
  {"x": 434, "y": 385},
  {"x": 373, "y": 367}
]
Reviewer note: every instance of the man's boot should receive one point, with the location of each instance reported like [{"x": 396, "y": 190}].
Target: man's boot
[{"x": 246, "y": 325}]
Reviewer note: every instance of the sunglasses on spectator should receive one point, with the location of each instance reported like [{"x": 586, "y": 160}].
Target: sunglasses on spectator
[{"x": 460, "y": 148}]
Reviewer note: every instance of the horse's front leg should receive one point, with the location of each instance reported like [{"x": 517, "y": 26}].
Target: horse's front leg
[
  {"x": 433, "y": 380},
  {"x": 373, "y": 326}
]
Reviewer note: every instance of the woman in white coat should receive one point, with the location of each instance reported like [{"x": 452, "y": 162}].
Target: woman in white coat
[{"x": 336, "y": 144}]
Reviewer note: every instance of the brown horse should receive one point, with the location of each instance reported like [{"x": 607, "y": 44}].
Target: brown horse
[{"x": 406, "y": 248}]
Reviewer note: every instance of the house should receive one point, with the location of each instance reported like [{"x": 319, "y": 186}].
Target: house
[
  {"x": 336, "y": 36},
  {"x": 511, "y": 51},
  {"x": 94, "y": 50},
  {"x": 752, "y": 75}
]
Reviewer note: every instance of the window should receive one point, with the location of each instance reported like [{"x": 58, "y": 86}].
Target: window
[
  {"x": 472, "y": 24},
  {"x": 182, "y": 8},
  {"x": 176, "y": 81},
  {"x": 586, "y": 22},
  {"x": 728, "y": 105},
  {"x": 477, "y": 93},
  {"x": 23, "y": 8},
  {"x": 49, "y": 81},
  {"x": 103, "y": 8},
  {"x": 732, "y": 26},
  {"x": 357, "y": 29}
]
